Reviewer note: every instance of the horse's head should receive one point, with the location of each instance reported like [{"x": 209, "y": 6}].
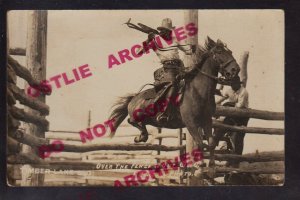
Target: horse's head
[{"x": 228, "y": 66}]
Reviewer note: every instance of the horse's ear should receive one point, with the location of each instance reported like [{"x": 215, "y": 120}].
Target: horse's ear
[
  {"x": 210, "y": 41},
  {"x": 219, "y": 42}
]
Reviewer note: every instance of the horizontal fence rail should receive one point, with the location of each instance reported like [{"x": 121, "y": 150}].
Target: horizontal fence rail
[{"x": 247, "y": 112}]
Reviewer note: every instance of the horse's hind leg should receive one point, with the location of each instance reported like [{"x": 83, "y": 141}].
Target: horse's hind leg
[{"x": 144, "y": 133}]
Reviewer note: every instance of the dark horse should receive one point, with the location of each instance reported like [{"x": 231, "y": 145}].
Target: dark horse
[{"x": 198, "y": 103}]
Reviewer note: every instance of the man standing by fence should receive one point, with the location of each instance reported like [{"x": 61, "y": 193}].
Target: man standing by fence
[{"x": 238, "y": 97}]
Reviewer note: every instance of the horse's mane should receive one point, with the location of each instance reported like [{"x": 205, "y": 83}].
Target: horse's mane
[
  {"x": 202, "y": 51},
  {"x": 201, "y": 54}
]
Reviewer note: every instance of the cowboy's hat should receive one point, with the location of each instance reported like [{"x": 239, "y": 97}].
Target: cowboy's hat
[{"x": 166, "y": 24}]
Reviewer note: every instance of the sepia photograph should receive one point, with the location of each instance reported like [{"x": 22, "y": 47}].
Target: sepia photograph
[{"x": 145, "y": 98}]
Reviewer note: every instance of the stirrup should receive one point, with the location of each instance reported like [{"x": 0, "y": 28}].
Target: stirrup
[{"x": 161, "y": 118}]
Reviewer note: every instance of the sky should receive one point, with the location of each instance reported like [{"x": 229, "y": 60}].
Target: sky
[{"x": 82, "y": 37}]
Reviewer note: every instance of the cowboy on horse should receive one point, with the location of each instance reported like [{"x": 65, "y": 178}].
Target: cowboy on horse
[
  {"x": 166, "y": 77},
  {"x": 197, "y": 102}
]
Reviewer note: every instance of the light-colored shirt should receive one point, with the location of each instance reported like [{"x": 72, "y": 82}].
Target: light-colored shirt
[
  {"x": 239, "y": 97},
  {"x": 172, "y": 54}
]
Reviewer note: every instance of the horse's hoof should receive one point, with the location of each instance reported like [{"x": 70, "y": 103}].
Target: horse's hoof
[
  {"x": 144, "y": 138},
  {"x": 211, "y": 172},
  {"x": 199, "y": 164},
  {"x": 140, "y": 138},
  {"x": 198, "y": 173},
  {"x": 137, "y": 139}
]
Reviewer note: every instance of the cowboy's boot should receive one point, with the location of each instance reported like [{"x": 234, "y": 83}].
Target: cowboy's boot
[{"x": 163, "y": 117}]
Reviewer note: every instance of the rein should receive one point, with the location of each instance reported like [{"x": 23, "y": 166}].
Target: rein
[
  {"x": 170, "y": 47},
  {"x": 219, "y": 80},
  {"x": 210, "y": 76}
]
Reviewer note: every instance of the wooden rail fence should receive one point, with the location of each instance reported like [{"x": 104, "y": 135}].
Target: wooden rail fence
[
  {"x": 17, "y": 137},
  {"x": 90, "y": 154}
]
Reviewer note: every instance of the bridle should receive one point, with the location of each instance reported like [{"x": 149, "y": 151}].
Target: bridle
[
  {"x": 212, "y": 53},
  {"x": 225, "y": 64}
]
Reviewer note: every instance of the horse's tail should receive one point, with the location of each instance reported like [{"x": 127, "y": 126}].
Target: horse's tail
[{"x": 120, "y": 112}]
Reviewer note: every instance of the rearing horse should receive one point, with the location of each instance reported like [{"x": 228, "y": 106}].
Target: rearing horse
[{"x": 198, "y": 104}]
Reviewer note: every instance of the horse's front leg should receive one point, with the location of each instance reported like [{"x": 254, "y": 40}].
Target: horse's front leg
[{"x": 211, "y": 145}]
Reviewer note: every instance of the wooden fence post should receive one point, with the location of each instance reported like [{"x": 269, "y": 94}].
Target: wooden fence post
[
  {"x": 243, "y": 65},
  {"x": 36, "y": 50},
  {"x": 191, "y": 16}
]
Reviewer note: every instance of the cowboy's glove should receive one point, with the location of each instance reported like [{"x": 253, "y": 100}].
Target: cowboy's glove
[{"x": 151, "y": 36}]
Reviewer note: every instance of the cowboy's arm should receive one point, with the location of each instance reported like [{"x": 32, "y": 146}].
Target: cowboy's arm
[
  {"x": 224, "y": 95},
  {"x": 151, "y": 36},
  {"x": 140, "y": 51},
  {"x": 221, "y": 100},
  {"x": 242, "y": 100}
]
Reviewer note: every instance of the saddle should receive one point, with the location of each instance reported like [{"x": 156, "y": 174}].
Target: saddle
[
  {"x": 167, "y": 74},
  {"x": 165, "y": 79}
]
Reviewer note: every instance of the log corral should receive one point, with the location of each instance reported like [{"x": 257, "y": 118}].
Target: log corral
[
  {"x": 105, "y": 153},
  {"x": 28, "y": 129},
  {"x": 30, "y": 118}
]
